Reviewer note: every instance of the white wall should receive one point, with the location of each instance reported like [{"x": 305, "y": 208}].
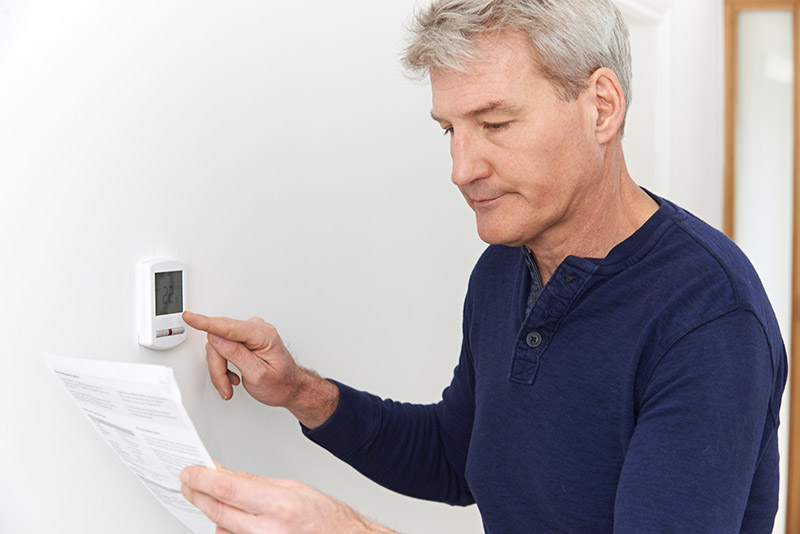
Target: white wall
[
  {"x": 697, "y": 107},
  {"x": 674, "y": 139},
  {"x": 277, "y": 149}
]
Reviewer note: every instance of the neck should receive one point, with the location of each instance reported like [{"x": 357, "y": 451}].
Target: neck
[{"x": 606, "y": 213}]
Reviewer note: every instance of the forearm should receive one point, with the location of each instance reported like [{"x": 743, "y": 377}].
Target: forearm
[
  {"x": 416, "y": 450},
  {"x": 398, "y": 445},
  {"x": 315, "y": 399}
]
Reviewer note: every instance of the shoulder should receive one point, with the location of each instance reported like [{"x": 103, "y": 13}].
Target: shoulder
[
  {"x": 706, "y": 262},
  {"x": 705, "y": 281},
  {"x": 702, "y": 303}
]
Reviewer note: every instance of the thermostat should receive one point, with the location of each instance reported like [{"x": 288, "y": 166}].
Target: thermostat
[{"x": 161, "y": 286}]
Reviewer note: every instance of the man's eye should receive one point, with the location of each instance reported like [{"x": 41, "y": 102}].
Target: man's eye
[{"x": 495, "y": 126}]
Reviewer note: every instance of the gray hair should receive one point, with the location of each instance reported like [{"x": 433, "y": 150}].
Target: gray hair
[{"x": 570, "y": 39}]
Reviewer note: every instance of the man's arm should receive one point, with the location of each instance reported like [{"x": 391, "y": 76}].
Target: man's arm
[
  {"x": 416, "y": 450},
  {"x": 704, "y": 431}
]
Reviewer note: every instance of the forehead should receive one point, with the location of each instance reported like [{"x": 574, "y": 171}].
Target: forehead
[{"x": 503, "y": 70}]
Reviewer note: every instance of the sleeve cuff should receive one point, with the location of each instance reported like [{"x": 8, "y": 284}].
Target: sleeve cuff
[{"x": 354, "y": 422}]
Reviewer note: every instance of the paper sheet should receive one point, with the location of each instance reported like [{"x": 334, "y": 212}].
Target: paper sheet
[{"x": 138, "y": 409}]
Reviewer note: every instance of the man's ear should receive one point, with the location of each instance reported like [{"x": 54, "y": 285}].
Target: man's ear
[{"x": 610, "y": 104}]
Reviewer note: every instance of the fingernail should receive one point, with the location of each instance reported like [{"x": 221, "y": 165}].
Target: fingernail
[
  {"x": 216, "y": 340},
  {"x": 184, "y": 476}
]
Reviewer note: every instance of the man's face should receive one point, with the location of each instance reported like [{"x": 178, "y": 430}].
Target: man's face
[{"x": 523, "y": 158}]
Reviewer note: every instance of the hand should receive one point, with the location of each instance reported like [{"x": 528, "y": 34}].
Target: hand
[
  {"x": 241, "y": 503},
  {"x": 268, "y": 371}
]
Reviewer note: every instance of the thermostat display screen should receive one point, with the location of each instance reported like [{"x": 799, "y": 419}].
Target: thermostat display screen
[{"x": 169, "y": 292}]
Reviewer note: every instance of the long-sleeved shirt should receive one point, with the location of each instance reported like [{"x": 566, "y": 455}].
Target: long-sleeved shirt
[{"x": 635, "y": 393}]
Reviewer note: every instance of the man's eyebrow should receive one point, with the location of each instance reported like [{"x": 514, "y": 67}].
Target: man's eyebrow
[{"x": 496, "y": 106}]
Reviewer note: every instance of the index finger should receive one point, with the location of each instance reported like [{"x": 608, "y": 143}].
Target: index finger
[{"x": 225, "y": 327}]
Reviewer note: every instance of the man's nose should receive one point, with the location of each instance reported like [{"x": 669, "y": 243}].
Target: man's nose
[{"x": 469, "y": 162}]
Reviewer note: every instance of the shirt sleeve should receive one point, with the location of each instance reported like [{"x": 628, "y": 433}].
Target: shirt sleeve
[
  {"x": 414, "y": 449},
  {"x": 704, "y": 432}
]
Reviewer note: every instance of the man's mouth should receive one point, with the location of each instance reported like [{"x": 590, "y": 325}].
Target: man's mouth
[{"x": 485, "y": 202}]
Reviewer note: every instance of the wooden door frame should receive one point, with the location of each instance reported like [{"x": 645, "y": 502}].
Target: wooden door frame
[{"x": 732, "y": 10}]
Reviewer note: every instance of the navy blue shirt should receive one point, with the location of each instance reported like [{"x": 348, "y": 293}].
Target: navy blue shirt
[{"x": 636, "y": 393}]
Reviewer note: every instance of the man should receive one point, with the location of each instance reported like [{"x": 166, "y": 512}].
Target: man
[{"x": 621, "y": 369}]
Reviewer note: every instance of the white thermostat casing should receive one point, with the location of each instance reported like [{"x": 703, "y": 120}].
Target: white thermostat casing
[{"x": 161, "y": 288}]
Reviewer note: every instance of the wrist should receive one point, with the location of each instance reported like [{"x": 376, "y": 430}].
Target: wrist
[{"x": 315, "y": 399}]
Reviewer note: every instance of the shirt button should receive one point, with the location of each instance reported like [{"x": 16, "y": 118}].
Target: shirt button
[{"x": 533, "y": 339}]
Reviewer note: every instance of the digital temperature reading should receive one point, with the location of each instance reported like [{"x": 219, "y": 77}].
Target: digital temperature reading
[
  {"x": 161, "y": 287},
  {"x": 169, "y": 292}
]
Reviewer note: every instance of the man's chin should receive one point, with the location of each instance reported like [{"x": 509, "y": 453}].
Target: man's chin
[{"x": 493, "y": 236}]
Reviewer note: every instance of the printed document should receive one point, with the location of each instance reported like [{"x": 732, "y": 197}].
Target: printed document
[{"x": 138, "y": 409}]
